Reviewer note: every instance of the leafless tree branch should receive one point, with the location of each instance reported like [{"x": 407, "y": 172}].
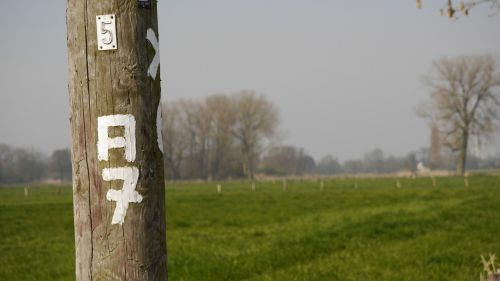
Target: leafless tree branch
[{"x": 453, "y": 9}]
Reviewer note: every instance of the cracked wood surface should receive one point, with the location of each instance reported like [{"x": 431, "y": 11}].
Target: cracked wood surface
[{"x": 108, "y": 83}]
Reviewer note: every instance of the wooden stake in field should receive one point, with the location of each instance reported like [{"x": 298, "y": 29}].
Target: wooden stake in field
[
  {"x": 466, "y": 181},
  {"x": 253, "y": 186},
  {"x": 118, "y": 181},
  {"x": 398, "y": 184},
  {"x": 25, "y": 191},
  {"x": 284, "y": 185},
  {"x": 433, "y": 181},
  {"x": 219, "y": 188}
]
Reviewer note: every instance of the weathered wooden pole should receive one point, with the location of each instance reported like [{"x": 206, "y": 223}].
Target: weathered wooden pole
[{"x": 118, "y": 181}]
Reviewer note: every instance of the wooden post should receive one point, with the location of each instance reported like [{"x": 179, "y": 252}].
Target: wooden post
[
  {"x": 118, "y": 181},
  {"x": 398, "y": 184}
]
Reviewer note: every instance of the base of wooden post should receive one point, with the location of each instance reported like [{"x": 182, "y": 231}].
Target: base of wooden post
[{"x": 494, "y": 277}]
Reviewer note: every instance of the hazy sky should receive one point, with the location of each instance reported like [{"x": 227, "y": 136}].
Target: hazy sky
[{"x": 346, "y": 75}]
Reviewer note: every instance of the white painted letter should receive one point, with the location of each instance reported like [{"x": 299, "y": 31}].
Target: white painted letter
[
  {"x": 104, "y": 143},
  {"x": 126, "y": 195}
]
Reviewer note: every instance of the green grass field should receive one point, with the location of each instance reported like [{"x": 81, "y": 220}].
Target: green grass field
[{"x": 373, "y": 232}]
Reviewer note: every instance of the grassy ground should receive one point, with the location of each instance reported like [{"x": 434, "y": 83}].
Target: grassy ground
[{"x": 354, "y": 230}]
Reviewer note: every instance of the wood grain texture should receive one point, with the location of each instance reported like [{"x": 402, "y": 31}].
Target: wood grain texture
[{"x": 108, "y": 83}]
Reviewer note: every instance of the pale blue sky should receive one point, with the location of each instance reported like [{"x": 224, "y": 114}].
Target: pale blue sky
[{"x": 346, "y": 75}]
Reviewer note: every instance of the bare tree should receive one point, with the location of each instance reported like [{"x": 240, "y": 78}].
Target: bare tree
[
  {"x": 217, "y": 137},
  {"x": 21, "y": 165},
  {"x": 287, "y": 160},
  {"x": 374, "y": 160},
  {"x": 329, "y": 165},
  {"x": 60, "y": 164},
  {"x": 221, "y": 140},
  {"x": 256, "y": 120},
  {"x": 175, "y": 136},
  {"x": 465, "y": 101},
  {"x": 196, "y": 121}
]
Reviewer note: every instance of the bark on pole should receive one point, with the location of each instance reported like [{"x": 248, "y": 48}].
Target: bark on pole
[{"x": 118, "y": 181}]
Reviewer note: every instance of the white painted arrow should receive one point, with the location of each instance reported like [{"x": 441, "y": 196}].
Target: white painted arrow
[{"x": 153, "y": 67}]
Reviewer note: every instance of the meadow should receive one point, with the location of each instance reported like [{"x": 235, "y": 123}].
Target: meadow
[{"x": 355, "y": 229}]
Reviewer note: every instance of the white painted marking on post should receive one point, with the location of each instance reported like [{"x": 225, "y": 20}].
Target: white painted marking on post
[
  {"x": 126, "y": 195},
  {"x": 105, "y": 143},
  {"x": 153, "y": 67},
  {"x": 159, "y": 126}
]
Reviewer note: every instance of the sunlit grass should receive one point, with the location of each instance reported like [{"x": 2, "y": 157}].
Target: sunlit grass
[{"x": 373, "y": 232}]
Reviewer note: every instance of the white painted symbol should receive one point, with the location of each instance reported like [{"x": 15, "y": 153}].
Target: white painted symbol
[
  {"x": 126, "y": 195},
  {"x": 153, "y": 67},
  {"x": 106, "y": 32},
  {"x": 159, "y": 126},
  {"x": 129, "y": 175},
  {"x": 105, "y": 143}
]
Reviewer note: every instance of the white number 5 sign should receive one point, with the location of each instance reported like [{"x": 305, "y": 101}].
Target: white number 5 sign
[{"x": 106, "y": 32}]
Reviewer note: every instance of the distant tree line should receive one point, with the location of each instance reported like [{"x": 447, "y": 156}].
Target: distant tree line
[
  {"x": 236, "y": 136},
  {"x": 289, "y": 160},
  {"x": 26, "y": 165}
]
